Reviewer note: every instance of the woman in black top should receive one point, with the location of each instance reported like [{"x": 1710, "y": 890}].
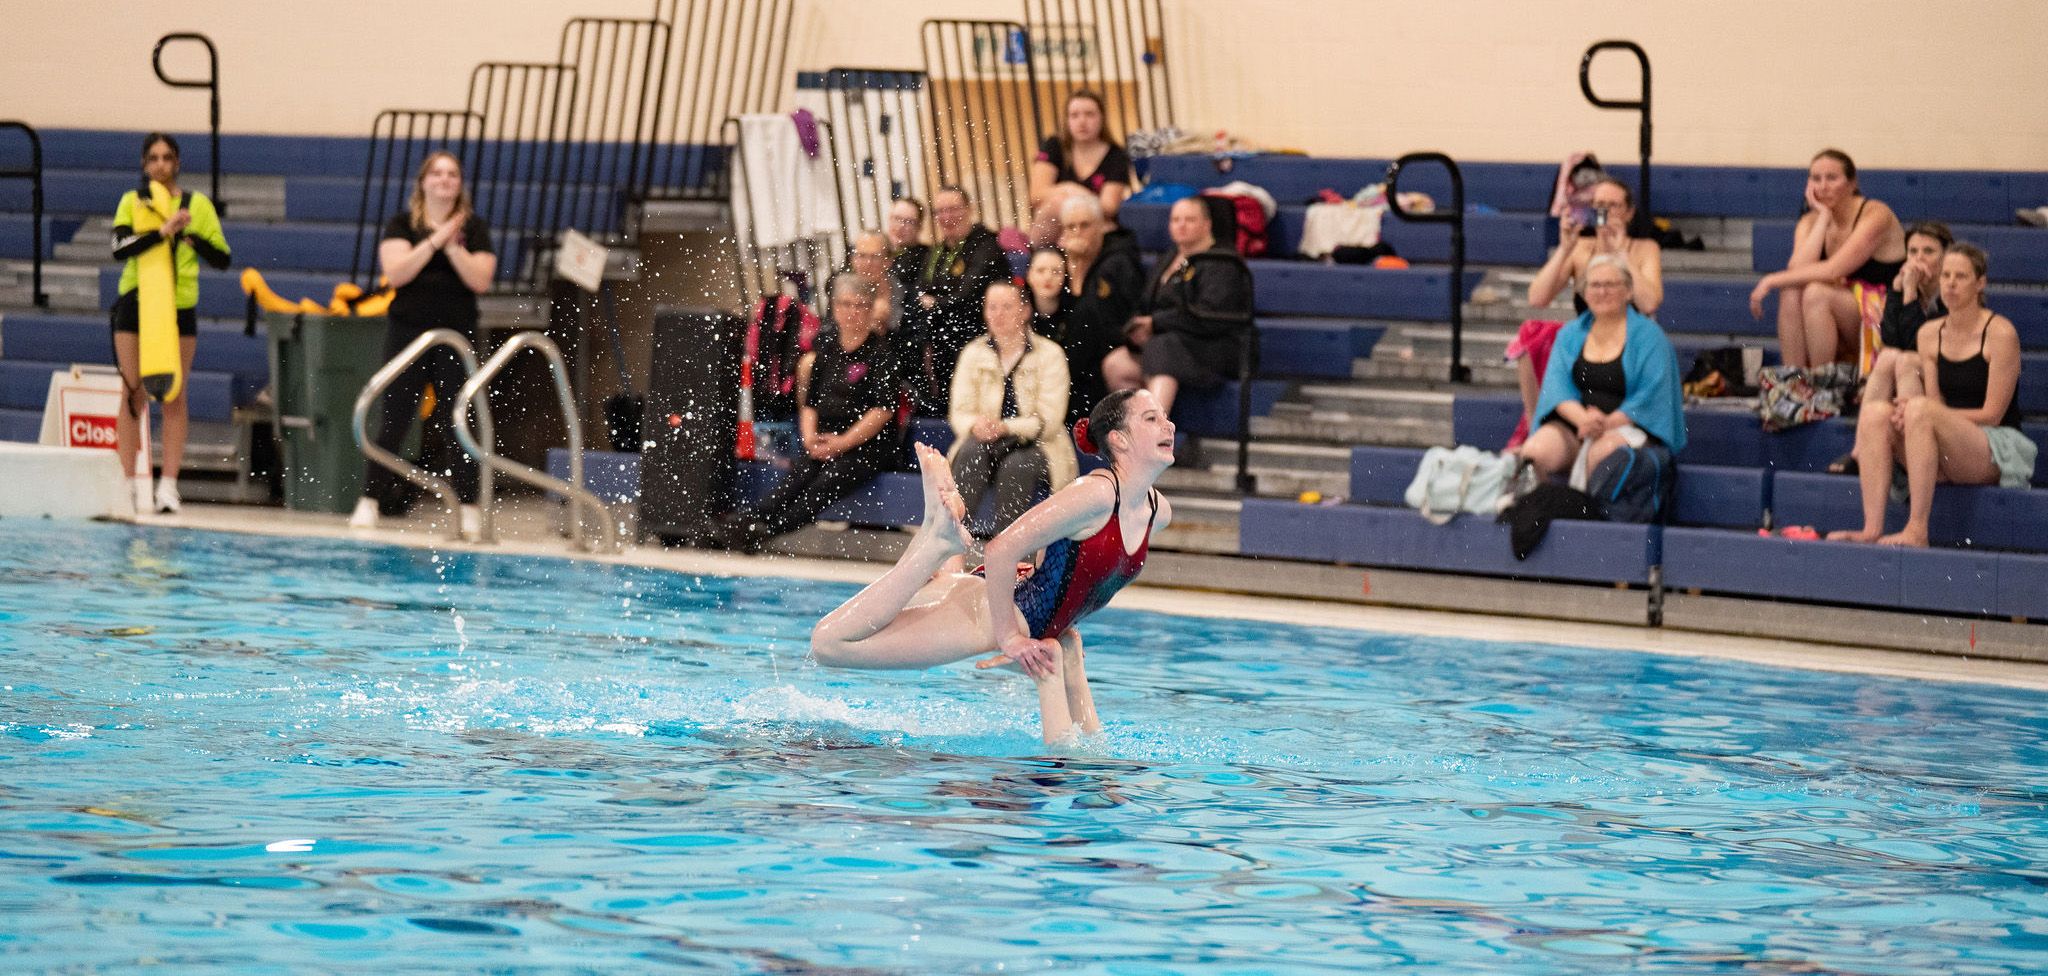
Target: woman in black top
[
  {"x": 438, "y": 255},
  {"x": 1914, "y": 299},
  {"x": 1081, "y": 161},
  {"x": 1194, "y": 316},
  {"x": 846, "y": 396},
  {"x": 1052, "y": 306},
  {"x": 1965, "y": 429},
  {"x": 1845, "y": 251}
]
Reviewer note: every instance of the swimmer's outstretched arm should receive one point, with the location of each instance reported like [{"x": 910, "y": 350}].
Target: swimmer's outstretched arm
[{"x": 1084, "y": 504}]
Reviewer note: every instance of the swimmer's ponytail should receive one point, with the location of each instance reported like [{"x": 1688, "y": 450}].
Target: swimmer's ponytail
[{"x": 1091, "y": 433}]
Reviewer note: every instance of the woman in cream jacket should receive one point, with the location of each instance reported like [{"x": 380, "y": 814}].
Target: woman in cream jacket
[{"x": 1008, "y": 409}]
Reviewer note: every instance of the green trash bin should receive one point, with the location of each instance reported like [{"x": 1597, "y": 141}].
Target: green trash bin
[{"x": 318, "y": 365}]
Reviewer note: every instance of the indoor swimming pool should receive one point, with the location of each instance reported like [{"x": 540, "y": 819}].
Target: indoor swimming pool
[{"x": 272, "y": 754}]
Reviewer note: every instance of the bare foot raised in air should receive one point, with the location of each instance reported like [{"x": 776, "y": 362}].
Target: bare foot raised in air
[
  {"x": 1854, "y": 535},
  {"x": 1908, "y": 537},
  {"x": 944, "y": 514}
]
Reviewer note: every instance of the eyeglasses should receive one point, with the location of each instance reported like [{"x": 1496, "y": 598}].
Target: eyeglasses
[
  {"x": 957, "y": 209},
  {"x": 1605, "y": 285}
]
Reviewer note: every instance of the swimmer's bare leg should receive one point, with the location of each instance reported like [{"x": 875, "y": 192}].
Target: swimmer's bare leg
[
  {"x": 1080, "y": 701},
  {"x": 942, "y": 536},
  {"x": 1055, "y": 719}
]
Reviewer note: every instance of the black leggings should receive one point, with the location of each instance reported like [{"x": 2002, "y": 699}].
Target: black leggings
[
  {"x": 439, "y": 452},
  {"x": 813, "y": 485},
  {"x": 1014, "y": 471}
]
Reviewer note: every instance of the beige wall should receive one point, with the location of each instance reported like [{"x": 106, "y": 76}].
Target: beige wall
[{"x": 1739, "y": 81}]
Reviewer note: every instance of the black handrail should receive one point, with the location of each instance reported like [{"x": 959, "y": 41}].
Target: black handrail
[
  {"x": 212, "y": 86},
  {"x": 1455, "y": 216},
  {"x": 33, "y": 174},
  {"x": 1641, "y": 104}
]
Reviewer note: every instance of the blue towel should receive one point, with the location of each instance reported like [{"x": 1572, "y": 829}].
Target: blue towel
[{"x": 1654, "y": 401}]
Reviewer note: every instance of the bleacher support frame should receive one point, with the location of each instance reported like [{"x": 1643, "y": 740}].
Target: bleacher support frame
[
  {"x": 1119, "y": 49},
  {"x": 888, "y": 154},
  {"x": 212, "y": 86},
  {"x": 981, "y": 137},
  {"x": 34, "y": 175},
  {"x": 1455, "y": 216},
  {"x": 1641, "y": 104},
  {"x": 806, "y": 264}
]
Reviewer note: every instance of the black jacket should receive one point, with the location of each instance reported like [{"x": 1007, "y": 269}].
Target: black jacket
[{"x": 1210, "y": 298}]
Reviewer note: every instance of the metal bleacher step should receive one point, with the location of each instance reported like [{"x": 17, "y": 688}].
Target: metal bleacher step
[
  {"x": 1269, "y": 482},
  {"x": 1298, "y": 421},
  {"x": 1707, "y": 262},
  {"x": 70, "y": 287},
  {"x": 679, "y": 216},
  {"x": 1368, "y": 401},
  {"x": 1202, "y": 522},
  {"x": 1433, "y": 369},
  {"x": 1716, "y": 233},
  {"x": 512, "y": 310}
]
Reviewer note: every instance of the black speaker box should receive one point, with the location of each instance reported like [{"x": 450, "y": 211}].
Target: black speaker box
[{"x": 687, "y": 466}]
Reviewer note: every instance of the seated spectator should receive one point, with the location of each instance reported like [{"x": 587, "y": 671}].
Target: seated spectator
[
  {"x": 1914, "y": 299},
  {"x": 1050, "y": 302},
  {"x": 1612, "y": 380},
  {"x": 907, "y": 249},
  {"x": 846, "y": 396},
  {"x": 1846, "y": 250},
  {"x": 870, "y": 260},
  {"x": 1009, "y": 413},
  {"x": 1613, "y": 214},
  {"x": 1105, "y": 276},
  {"x": 1083, "y": 145},
  {"x": 1194, "y": 316},
  {"x": 943, "y": 311},
  {"x": 1962, "y": 426}
]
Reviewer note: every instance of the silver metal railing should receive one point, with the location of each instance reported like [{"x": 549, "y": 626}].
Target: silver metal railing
[
  {"x": 389, "y": 374},
  {"x": 580, "y": 498}
]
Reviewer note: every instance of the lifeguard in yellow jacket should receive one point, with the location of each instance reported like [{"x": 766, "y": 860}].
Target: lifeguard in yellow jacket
[{"x": 162, "y": 234}]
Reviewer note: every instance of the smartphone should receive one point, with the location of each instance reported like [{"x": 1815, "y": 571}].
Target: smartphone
[{"x": 1600, "y": 217}]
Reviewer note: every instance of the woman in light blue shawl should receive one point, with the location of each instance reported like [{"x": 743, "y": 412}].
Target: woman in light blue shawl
[{"x": 1612, "y": 380}]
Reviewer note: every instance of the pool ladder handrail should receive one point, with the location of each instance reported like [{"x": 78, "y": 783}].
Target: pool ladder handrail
[
  {"x": 571, "y": 489},
  {"x": 374, "y": 390}
]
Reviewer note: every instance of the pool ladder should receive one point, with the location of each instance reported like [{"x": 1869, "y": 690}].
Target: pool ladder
[{"x": 482, "y": 444}]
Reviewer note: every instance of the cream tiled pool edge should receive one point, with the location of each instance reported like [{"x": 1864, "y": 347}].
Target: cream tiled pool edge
[{"x": 530, "y": 538}]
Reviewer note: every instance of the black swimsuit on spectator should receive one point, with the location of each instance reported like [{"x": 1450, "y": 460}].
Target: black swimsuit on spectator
[
  {"x": 1200, "y": 313},
  {"x": 1114, "y": 168},
  {"x": 1964, "y": 382},
  {"x": 956, "y": 275},
  {"x": 845, "y": 384},
  {"x": 1108, "y": 298},
  {"x": 436, "y": 298},
  {"x": 1873, "y": 271},
  {"x": 1602, "y": 386}
]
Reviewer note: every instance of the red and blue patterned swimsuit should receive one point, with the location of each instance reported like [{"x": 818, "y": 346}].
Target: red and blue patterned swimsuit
[{"x": 1078, "y": 578}]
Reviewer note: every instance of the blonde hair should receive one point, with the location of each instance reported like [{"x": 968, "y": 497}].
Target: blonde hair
[{"x": 419, "y": 193}]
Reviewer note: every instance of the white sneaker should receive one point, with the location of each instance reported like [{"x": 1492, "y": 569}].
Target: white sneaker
[
  {"x": 365, "y": 515},
  {"x": 472, "y": 519},
  {"x": 167, "y": 500},
  {"x": 139, "y": 489}
]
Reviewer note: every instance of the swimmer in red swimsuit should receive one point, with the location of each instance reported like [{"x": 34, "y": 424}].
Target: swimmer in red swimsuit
[{"x": 917, "y": 617}]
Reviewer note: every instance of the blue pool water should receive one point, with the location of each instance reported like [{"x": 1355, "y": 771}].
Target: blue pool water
[{"x": 270, "y": 755}]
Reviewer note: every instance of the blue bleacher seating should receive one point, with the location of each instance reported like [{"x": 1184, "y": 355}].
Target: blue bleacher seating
[
  {"x": 1879, "y": 577},
  {"x": 1982, "y": 517},
  {"x": 1365, "y": 535},
  {"x": 1349, "y": 291},
  {"x": 25, "y": 385},
  {"x": 1380, "y": 475},
  {"x": 2017, "y": 253},
  {"x": 1213, "y": 413},
  {"x": 1489, "y": 238}
]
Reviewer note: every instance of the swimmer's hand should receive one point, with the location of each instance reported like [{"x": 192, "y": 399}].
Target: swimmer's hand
[{"x": 1037, "y": 657}]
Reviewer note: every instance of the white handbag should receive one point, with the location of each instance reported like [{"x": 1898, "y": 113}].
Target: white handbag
[{"x": 1461, "y": 479}]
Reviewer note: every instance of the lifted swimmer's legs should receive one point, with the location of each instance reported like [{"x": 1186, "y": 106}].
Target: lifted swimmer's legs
[{"x": 939, "y": 538}]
